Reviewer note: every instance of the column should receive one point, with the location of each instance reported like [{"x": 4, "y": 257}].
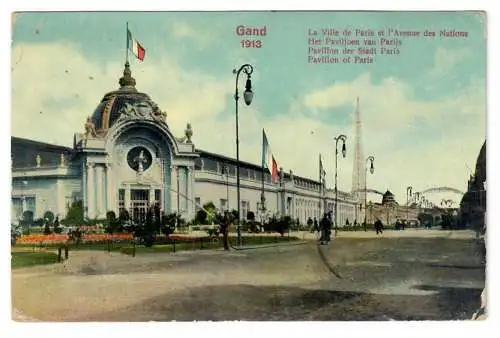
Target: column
[
  {"x": 151, "y": 195},
  {"x": 127, "y": 199},
  {"x": 100, "y": 207},
  {"x": 173, "y": 192},
  {"x": 90, "y": 190},
  {"x": 190, "y": 194},
  {"x": 110, "y": 190},
  {"x": 84, "y": 189}
]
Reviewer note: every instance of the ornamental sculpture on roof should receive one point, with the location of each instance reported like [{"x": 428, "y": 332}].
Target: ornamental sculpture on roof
[
  {"x": 188, "y": 133},
  {"x": 90, "y": 128}
]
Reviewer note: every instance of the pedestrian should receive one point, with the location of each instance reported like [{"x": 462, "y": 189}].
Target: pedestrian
[
  {"x": 379, "y": 226},
  {"x": 316, "y": 225},
  {"x": 310, "y": 224},
  {"x": 324, "y": 227},
  {"x": 224, "y": 229}
]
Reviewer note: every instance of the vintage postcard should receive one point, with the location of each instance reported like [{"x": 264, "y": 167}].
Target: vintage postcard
[{"x": 248, "y": 166}]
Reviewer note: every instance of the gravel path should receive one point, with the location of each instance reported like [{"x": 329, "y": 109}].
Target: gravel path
[{"x": 378, "y": 279}]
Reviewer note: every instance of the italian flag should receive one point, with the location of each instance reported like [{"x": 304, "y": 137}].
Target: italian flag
[
  {"x": 268, "y": 160},
  {"x": 135, "y": 47}
]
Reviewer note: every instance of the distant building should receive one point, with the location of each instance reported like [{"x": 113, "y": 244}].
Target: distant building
[
  {"x": 473, "y": 204},
  {"x": 128, "y": 158},
  {"x": 389, "y": 211}
]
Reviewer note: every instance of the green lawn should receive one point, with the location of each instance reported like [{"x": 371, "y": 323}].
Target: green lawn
[
  {"x": 205, "y": 244},
  {"x": 25, "y": 259}
]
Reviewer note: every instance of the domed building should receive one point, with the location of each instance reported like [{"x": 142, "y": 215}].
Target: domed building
[
  {"x": 128, "y": 159},
  {"x": 389, "y": 211},
  {"x": 389, "y": 199},
  {"x": 473, "y": 204}
]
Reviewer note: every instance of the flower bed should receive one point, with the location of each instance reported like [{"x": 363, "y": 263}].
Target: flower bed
[
  {"x": 63, "y": 238},
  {"x": 42, "y": 239}
]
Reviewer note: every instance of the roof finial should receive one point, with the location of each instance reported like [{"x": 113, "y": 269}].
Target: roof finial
[{"x": 127, "y": 80}]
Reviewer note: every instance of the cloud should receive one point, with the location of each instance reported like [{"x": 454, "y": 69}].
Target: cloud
[
  {"x": 182, "y": 30},
  {"x": 445, "y": 60},
  {"x": 415, "y": 142}
]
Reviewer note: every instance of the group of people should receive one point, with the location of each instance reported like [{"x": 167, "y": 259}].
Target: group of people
[{"x": 324, "y": 228}]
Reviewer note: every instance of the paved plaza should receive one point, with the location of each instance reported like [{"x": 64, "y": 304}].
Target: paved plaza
[{"x": 426, "y": 275}]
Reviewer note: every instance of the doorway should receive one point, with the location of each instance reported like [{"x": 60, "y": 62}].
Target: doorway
[{"x": 139, "y": 203}]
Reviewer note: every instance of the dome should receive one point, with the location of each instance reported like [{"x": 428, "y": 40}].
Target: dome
[
  {"x": 388, "y": 198},
  {"x": 115, "y": 103},
  {"x": 480, "y": 173}
]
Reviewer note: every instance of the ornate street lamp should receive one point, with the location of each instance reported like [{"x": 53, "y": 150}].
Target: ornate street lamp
[
  {"x": 248, "y": 97},
  {"x": 370, "y": 160},
  {"x": 337, "y": 139}
]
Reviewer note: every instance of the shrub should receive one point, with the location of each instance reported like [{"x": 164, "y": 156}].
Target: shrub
[
  {"x": 49, "y": 217},
  {"x": 27, "y": 218},
  {"x": 46, "y": 229},
  {"x": 74, "y": 214},
  {"x": 251, "y": 216}
]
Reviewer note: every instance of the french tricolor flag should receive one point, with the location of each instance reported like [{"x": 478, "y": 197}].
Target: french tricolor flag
[
  {"x": 268, "y": 160},
  {"x": 135, "y": 47}
]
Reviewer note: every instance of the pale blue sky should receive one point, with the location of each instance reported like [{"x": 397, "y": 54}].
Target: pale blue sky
[{"x": 432, "y": 93}]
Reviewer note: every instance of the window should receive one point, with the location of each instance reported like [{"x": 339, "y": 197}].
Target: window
[
  {"x": 31, "y": 204},
  {"x": 197, "y": 204},
  {"x": 223, "y": 204},
  {"x": 121, "y": 200},
  {"x": 17, "y": 208},
  {"x": 158, "y": 197},
  {"x": 244, "y": 209}
]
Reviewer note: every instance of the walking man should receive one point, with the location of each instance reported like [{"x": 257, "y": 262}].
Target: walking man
[
  {"x": 325, "y": 230},
  {"x": 379, "y": 226}
]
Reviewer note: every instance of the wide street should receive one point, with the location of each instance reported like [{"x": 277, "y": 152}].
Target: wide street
[{"x": 356, "y": 277}]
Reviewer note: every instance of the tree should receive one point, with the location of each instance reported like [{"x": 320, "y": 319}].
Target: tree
[
  {"x": 206, "y": 214},
  {"x": 168, "y": 223},
  {"x": 112, "y": 223},
  {"x": 148, "y": 229},
  {"x": 49, "y": 217},
  {"x": 46, "y": 229},
  {"x": 309, "y": 223},
  {"x": 27, "y": 218},
  {"x": 74, "y": 214},
  {"x": 57, "y": 228},
  {"x": 251, "y": 216}
]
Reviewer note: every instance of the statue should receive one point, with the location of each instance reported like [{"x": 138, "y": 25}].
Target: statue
[
  {"x": 188, "y": 133},
  {"x": 90, "y": 128},
  {"x": 157, "y": 113},
  {"x": 62, "y": 160},
  {"x": 38, "y": 160},
  {"x": 140, "y": 160}
]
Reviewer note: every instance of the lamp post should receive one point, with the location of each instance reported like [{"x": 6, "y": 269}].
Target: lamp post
[
  {"x": 337, "y": 139},
  {"x": 372, "y": 169},
  {"x": 408, "y": 195},
  {"x": 247, "y": 96}
]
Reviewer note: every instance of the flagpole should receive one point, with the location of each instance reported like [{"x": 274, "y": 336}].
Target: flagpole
[
  {"x": 126, "y": 44},
  {"x": 262, "y": 195},
  {"x": 320, "y": 184}
]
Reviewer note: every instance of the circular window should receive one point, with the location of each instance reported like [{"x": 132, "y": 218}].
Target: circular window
[{"x": 139, "y": 159}]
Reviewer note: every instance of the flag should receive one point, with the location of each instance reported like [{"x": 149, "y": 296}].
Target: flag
[
  {"x": 322, "y": 172},
  {"x": 135, "y": 47},
  {"x": 268, "y": 160}
]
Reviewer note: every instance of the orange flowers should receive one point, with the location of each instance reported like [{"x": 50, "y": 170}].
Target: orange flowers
[
  {"x": 42, "y": 238},
  {"x": 64, "y": 238}
]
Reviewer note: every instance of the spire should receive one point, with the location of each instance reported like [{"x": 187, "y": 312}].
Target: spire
[
  {"x": 358, "y": 173},
  {"x": 127, "y": 80}
]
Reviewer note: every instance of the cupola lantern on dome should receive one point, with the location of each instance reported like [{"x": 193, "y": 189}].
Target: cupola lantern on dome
[{"x": 127, "y": 81}]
